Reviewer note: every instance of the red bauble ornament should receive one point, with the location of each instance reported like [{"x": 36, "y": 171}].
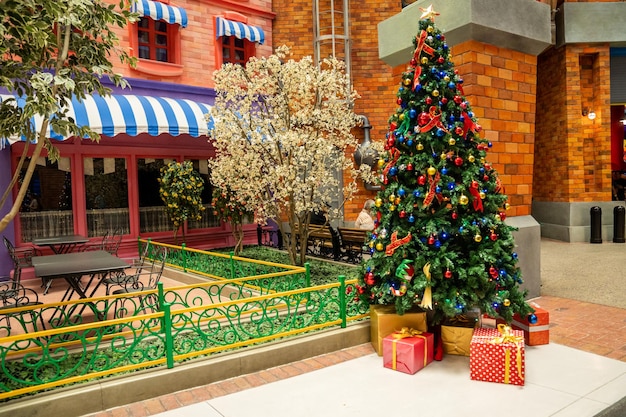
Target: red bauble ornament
[
  {"x": 429, "y": 101},
  {"x": 486, "y": 178},
  {"x": 441, "y": 60},
  {"x": 463, "y": 105},
  {"x": 493, "y": 272},
  {"x": 402, "y": 214},
  {"x": 391, "y": 141},
  {"x": 493, "y": 236},
  {"x": 487, "y": 167},
  {"x": 409, "y": 167},
  {"x": 423, "y": 119},
  {"x": 444, "y": 100},
  {"x": 458, "y": 161},
  {"x": 455, "y": 215},
  {"x": 475, "y": 184},
  {"x": 413, "y": 62},
  {"x": 448, "y": 274},
  {"x": 458, "y": 130},
  {"x": 399, "y": 101},
  {"x": 502, "y": 215},
  {"x": 431, "y": 240},
  {"x": 393, "y": 126},
  {"x": 458, "y": 99},
  {"x": 421, "y": 180},
  {"x": 369, "y": 279}
]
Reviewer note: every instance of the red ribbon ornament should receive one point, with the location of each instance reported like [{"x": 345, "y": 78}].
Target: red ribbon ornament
[
  {"x": 435, "y": 121},
  {"x": 431, "y": 191},
  {"x": 396, "y": 243},
  {"x": 421, "y": 46}
]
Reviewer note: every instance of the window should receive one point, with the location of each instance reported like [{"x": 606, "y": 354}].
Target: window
[
  {"x": 234, "y": 50},
  {"x": 235, "y": 40},
  {"x": 106, "y": 195},
  {"x": 152, "y": 37},
  {"x": 47, "y": 208},
  {"x": 155, "y": 38}
]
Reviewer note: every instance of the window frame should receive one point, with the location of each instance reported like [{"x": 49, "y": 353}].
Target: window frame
[
  {"x": 174, "y": 65},
  {"x": 249, "y": 47}
]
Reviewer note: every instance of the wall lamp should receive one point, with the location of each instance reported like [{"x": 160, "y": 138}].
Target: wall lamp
[{"x": 589, "y": 113}]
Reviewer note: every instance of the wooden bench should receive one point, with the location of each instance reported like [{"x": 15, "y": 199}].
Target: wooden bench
[
  {"x": 352, "y": 243},
  {"x": 323, "y": 241}
]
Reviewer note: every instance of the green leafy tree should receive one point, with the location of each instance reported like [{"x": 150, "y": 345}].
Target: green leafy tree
[
  {"x": 52, "y": 51},
  {"x": 181, "y": 191},
  {"x": 440, "y": 239},
  {"x": 230, "y": 210}
]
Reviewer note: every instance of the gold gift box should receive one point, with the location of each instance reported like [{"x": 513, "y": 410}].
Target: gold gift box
[
  {"x": 384, "y": 320},
  {"x": 456, "y": 334}
]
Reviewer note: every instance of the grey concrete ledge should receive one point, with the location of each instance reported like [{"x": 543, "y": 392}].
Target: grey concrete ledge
[
  {"x": 520, "y": 25},
  {"x": 92, "y": 397},
  {"x": 591, "y": 23}
]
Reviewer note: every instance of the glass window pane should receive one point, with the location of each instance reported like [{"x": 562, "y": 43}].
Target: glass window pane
[
  {"x": 143, "y": 22},
  {"x": 226, "y": 54},
  {"x": 161, "y": 40},
  {"x": 238, "y": 43},
  {"x": 208, "y": 219},
  {"x": 161, "y": 55},
  {"x": 47, "y": 208},
  {"x": 239, "y": 56},
  {"x": 106, "y": 195},
  {"x": 152, "y": 214},
  {"x": 160, "y": 26},
  {"x": 144, "y": 37},
  {"x": 144, "y": 52}
]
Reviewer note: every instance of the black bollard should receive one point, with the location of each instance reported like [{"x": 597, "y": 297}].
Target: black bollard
[
  {"x": 259, "y": 234},
  {"x": 596, "y": 224},
  {"x": 618, "y": 224}
]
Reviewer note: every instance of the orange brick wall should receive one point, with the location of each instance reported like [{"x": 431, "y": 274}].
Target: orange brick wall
[
  {"x": 573, "y": 154},
  {"x": 499, "y": 83},
  {"x": 374, "y": 80},
  {"x": 197, "y": 39}
]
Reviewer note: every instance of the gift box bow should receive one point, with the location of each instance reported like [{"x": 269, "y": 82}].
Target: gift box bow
[
  {"x": 402, "y": 334},
  {"x": 507, "y": 336}
]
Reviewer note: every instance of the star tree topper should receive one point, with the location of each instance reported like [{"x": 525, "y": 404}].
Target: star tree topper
[{"x": 428, "y": 13}]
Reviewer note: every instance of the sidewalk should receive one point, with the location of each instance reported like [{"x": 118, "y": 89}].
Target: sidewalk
[{"x": 580, "y": 373}]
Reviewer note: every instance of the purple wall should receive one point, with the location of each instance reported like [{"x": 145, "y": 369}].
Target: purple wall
[{"x": 5, "y": 178}]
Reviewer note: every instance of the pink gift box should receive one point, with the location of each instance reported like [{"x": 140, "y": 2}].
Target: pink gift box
[
  {"x": 498, "y": 357},
  {"x": 408, "y": 354}
]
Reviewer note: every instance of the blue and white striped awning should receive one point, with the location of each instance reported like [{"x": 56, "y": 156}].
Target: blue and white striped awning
[
  {"x": 133, "y": 115},
  {"x": 239, "y": 30},
  {"x": 160, "y": 11}
]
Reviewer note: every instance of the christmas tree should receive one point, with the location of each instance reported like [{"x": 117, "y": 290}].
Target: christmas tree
[{"x": 440, "y": 240}]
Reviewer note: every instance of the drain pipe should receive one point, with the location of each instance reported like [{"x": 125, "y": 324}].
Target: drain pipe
[{"x": 365, "y": 154}]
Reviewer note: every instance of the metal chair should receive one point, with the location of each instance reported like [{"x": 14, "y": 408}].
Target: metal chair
[
  {"x": 22, "y": 258},
  {"x": 146, "y": 277},
  {"x": 14, "y": 295},
  {"x": 111, "y": 242}
]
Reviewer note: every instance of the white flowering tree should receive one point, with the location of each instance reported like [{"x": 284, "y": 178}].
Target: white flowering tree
[{"x": 282, "y": 130}]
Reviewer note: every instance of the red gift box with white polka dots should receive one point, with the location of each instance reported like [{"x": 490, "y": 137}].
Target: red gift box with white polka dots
[{"x": 498, "y": 357}]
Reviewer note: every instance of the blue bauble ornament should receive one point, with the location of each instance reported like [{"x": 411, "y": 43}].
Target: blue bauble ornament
[
  {"x": 514, "y": 255},
  {"x": 409, "y": 142},
  {"x": 451, "y": 118},
  {"x": 438, "y": 189},
  {"x": 393, "y": 171},
  {"x": 444, "y": 171},
  {"x": 401, "y": 192},
  {"x": 440, "y": 132},
  {"x": 411, "y": 218},
  {"x": 412, "y": 113},
  {"x": 417, "y": 193},
  {"x": 490, "y": 144},
  {"x": 444, "y": 236},
  {"x": 417, "y": 88},
  {"x": 400, "y": 139},
  {"x": 451, "y": 85},
  {"x": 397, "y": 133},
  {"x": 437, "y": 244},
  {"x": 451, "y": 186},
  {"x": 532, "y": 318}
]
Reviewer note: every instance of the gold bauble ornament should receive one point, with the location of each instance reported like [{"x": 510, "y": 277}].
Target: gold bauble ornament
[
  {"x": 435, "y": 93},
  {"x": 446, "y": 78},
  {"x": 392, "y": 208},
  {"x": 463, "y": 200},
  {"x": 379, "y": 247},
  {"x": 506, "y": 302},
  {"x": 407, "y": 81},
  {"x": 430, "y": 29},
  {"x": 424, "y": 60},
  {"x": 392, "y": 198},
  {"x": 378, "y": 202},
  {"x": 452, "y": 141},
  {"x": 497, "y": 217},
  {"x": 381, "y": 163},
  {"x": 482, "y": 195},
  {"x": 507, "y": 206},
  {"x": 477, "y": 238},
  {"x": 401, "y": 117},
  {"x": 431, "y": 171},
  {"x": 419, "y": 146},
  {"x": 471, "y": 158}
]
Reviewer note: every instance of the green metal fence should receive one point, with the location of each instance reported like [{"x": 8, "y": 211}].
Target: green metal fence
[{"x": 46, "y": 346}]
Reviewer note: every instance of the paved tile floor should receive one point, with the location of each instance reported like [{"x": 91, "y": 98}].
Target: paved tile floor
[{"x": 581, "y": 372}]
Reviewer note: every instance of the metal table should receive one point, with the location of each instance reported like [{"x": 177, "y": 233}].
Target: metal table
[
  {"x": 61, "y": 244},
  {"x": 73, "y": 266}
]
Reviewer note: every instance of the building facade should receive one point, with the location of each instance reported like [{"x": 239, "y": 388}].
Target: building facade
[{"x": 113, "y": 184}]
